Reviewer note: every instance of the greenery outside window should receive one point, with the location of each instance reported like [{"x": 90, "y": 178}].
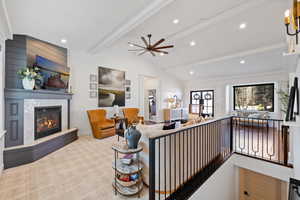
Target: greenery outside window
[
  {"x": 207, "y": 96},
  {"x": 257, "y": 97}
]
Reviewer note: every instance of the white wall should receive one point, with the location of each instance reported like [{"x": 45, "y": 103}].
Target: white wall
[
  {"x": 221, "y": 85},
  {"x": 82, "y": 65},
  {"x": 5, "y": 33},
  {"x": 222, "y": 185}
]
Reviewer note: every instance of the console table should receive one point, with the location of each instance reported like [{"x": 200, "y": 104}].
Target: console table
[{"x": 175, "y": 114}]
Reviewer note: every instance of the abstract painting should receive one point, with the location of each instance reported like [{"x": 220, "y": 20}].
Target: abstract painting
[{"x": 111, "y": 87}]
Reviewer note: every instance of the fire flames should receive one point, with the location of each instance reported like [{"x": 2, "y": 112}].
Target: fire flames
[{"x": 45, "y": 123}]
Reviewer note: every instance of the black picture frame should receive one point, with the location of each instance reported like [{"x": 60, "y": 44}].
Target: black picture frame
[
  {"x": 255, "y": 85},
  {"x": 294, "y": 97},
  {"x": 296, "y": 85}
]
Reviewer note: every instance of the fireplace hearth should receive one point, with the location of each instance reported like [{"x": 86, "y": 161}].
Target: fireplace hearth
[{"x": 47, "y": 121}]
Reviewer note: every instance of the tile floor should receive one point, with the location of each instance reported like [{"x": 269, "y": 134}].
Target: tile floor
[{"x": 79, "y": 171}]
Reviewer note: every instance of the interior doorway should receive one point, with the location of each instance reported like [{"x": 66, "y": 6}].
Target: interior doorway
[
  {"x": 149, "y": 101},
  {"x": 255, "y": 186}
]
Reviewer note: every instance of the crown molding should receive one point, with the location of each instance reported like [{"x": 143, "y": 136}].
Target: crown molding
[
  {"x": 6, "y": 33},
  {"x": 213, "y": 20},
  {"x": 227, "y": 57},
  {"x": 110, "y": 38}
]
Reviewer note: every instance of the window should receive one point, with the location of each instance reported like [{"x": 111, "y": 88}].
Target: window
[
  {"x": 207, "y": 96},
  {"x": 259, "y": 97}
]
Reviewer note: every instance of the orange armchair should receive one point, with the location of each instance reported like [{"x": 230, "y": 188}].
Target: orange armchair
[
  {"x": 101, "y": 126},
  {"x": 131, "y": 115}
]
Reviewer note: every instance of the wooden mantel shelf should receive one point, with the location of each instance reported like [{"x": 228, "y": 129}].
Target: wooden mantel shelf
[{"x": 36, "y": 94}]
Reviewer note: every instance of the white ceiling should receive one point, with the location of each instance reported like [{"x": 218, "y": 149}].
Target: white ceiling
[
  {"x": 90, "y": 25},
  {"x": 83, "y": 22},
  {"x": 220, "y": 43}
]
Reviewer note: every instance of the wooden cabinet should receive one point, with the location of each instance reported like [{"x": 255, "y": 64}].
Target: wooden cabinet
[{"x": 175, "y": 114}]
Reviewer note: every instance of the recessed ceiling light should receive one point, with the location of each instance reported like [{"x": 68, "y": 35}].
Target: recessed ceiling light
[
  {"x": 192, "y": 72},
  {"x": 242, "y": 61},
  {"x": 131, "y": 45},
  {"x": 175, "y": 21},
  {"x": 243, "y": 25},
  {"x": 63, "y": 40},
  {"x": 192, "y": 43},
  {"x": 162, "y": 54}
]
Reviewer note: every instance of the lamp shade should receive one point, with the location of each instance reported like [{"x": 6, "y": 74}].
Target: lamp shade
[{"x": 116, "y": 109}]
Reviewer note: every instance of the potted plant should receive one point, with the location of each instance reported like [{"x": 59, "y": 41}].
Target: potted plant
[
  {"x": 28, "y": 76},
  {"x": 284, "y": 100}
]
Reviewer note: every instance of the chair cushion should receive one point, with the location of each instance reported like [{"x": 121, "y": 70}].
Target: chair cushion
[{"x": 106, "y": 125}]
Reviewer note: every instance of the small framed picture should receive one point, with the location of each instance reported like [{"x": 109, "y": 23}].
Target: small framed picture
[
  {"x": 93, "y": 94},
  {"x": 127, "y": 82},
  {"x": 93, "y": 78},
  {"x": 128, "y": 96},
  {"x": 93, "y": 86},
  {"x": 127, "y": 89}
]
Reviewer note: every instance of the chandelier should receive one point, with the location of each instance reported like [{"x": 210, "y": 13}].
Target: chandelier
[{"x": 292, "y": 17}]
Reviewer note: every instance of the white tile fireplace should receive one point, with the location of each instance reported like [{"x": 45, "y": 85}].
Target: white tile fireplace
[{"x": 29, "y": 115}]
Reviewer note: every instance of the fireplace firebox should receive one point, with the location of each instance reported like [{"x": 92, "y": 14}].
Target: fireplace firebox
[{"x": 47, "y": 121}]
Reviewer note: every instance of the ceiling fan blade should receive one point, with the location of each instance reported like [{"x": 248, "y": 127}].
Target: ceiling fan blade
[
  {"x": 142, "y": 53},
  {"x": 136, "y": 49},
  {"x": 158, "y": 51},
  {"x": 136, "y": 45},
  {"x": 153, "y": 54},
  {"x": 144, "y": 40},
  {"x": 157, "y": 43},
  {"x": 165, "y": 47}
]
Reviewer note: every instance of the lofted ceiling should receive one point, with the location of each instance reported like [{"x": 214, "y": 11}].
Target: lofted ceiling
[
  {"x": 220, "y": 43},
  {"x": 94, "y": 25},
  {"x": 84, "y": 23}
]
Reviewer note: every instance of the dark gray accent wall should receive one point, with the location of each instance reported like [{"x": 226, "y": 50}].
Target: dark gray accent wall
[
  {"x": 14, "y": 111},
  {"x": 19, "y": 53},
  {"x": 15, "y": 59},
  {"x": 20, "y": 156}
]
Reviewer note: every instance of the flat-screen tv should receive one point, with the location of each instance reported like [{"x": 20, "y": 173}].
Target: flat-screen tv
[{"x": 54, "y": 76}]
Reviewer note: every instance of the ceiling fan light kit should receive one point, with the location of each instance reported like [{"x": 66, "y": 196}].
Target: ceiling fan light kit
[{"x": 153, "y": 49}]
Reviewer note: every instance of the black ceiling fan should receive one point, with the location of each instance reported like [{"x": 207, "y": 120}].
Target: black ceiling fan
[{"x": 149, "y": 47}]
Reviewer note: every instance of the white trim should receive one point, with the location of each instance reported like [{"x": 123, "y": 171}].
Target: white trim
[
  {"x": 227, "y": 57},
  {"x": 229, "y": 13},
  {"x": 149, "y": 11}
]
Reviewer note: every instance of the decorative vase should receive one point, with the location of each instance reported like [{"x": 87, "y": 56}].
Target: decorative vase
[
  {"x": 28, "y": 84},
  {"x": 133, "y": 137}
]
